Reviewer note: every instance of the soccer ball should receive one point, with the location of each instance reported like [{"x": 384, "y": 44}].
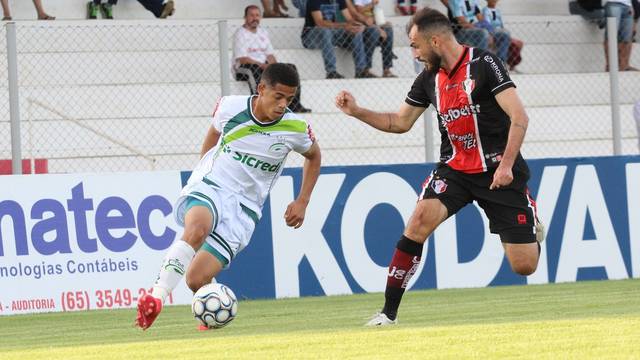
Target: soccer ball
[{"x": 214, "y": 305}]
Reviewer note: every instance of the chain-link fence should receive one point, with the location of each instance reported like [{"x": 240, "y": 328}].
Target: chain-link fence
[
  {"x": 114, "y": 97},
  {"x": 128, "y": 96}
]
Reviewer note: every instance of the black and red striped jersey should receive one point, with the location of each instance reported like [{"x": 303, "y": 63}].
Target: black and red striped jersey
[{"x": 473, "y": 127}]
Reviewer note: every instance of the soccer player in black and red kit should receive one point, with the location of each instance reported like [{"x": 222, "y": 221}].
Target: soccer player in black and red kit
[{"x": 482, "y": 124}]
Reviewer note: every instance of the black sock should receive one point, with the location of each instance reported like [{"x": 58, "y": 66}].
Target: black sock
[{"x": 404, "y": 264}]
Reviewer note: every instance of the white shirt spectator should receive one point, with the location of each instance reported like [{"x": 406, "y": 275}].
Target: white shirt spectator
[{"x": 256, "y": 46}]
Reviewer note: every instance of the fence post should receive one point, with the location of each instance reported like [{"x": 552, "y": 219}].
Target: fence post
[
  {"x": 14, "y": 99},
  {"x": 612, "y": 44},
  {"x": 427, "y": 117},
  {"x": 223, "y": 45}
]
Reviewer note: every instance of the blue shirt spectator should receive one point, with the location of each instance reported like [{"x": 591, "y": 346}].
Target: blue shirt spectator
[
  {"x": 493, "y": 16},
  {"x": 322, "y": 30}
]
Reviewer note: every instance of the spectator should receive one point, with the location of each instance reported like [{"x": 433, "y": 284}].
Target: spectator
[
  {"x": 274, "y": 11},
  {"x": 493, "y": 16},
  {"x": 470, "y": 27},
  {"x": 378, "y": 34},
  {"x": 322, "y": 30},
  {"x": 252, "y": 52},
  {"x": 105, "y": 8},
  {"x": 622, "y": 11},
  {"x": 42, "y": 15},
  {"x": 405, "y": 10},
  {"x": 159, "y": 8}
]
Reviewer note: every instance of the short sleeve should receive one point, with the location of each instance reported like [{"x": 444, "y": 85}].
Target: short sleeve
[
  {"x": 456, "y": 7},
  {"x": 418, "y": 96},
  {"x": 302, "y": 142},
  {"x": 496, "y": 74},
  {"x": 216, "y": 121},
  {"x": 313, "y": 5}
]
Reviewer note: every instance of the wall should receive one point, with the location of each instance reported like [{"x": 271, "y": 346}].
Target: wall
[{"x": 87, "y": 241}]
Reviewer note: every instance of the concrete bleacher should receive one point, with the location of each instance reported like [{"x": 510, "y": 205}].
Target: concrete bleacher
[
  {"x": 227, "y": 9},
  {"x": 157, "y": 83}
]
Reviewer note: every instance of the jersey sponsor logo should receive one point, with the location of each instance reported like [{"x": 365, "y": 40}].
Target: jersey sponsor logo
[
  {"x": 255, "y": 163},
  {"x": 454, "y": 114},
  {"x": 468, "y": 141},
  {"x": 495, "y": 67}
]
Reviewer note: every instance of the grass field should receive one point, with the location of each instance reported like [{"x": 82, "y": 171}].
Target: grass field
[{"x": 597, "y": 320}]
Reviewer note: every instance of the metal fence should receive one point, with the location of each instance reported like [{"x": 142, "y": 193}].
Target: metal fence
[{"x": 127, "y": 96}]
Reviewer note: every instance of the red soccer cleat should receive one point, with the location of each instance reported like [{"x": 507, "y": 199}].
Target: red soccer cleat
[
  {"x": 149, "y": 308},
  {"x": 202, "y": 328}
]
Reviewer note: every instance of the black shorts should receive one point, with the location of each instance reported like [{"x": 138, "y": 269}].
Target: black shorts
[{"x": 510, "y": 209}]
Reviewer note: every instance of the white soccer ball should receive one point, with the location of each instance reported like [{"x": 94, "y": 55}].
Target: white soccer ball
[{"x": 214, "y": 305}]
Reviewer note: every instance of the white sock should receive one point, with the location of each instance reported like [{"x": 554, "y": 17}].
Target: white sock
[{"x": 174, "y": 265}]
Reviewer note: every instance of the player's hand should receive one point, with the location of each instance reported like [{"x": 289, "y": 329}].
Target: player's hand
[
  {"x": 294, "y": 215},
  {"x": 346, "y": 102},
  {"x": 502, "y": 177}
]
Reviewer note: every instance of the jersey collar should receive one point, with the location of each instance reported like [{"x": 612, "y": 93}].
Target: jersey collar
[
  {"x": 255, "y": 119},
  {"x": 463, "y": 56}
]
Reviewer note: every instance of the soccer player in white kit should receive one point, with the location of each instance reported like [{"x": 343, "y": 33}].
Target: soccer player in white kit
[{"x": 242, "y": 157}]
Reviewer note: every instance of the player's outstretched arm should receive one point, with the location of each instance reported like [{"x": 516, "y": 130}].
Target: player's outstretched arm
[
  {"x": 399, "y": 122},
  {"x": 294, "y": 215}
]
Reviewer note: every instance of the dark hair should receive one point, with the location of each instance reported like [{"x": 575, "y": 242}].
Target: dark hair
[
  {"x": 281, "y": 73},
  {"x": 249, "y": 7},
  {"x": 428, "y": 19}
]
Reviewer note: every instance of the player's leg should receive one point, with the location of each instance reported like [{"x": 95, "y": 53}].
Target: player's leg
[
  {"x": 198, "y": 221},
  {"x": 441, "y": 197},
  {"x": 523, "y": 258},
  {"x": 205, "y": 266},
  {"x": 513, "y": 215},
  {"x": 198, "y": 225}
]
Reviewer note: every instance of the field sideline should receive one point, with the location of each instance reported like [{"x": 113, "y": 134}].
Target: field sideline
[{"x": 595, "y": 319}]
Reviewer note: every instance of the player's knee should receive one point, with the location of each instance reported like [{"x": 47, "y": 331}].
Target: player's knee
[
  {"x": 525, "y": 268},
  {"x": 194, "y": 234},
  {"x": 195, "y": 282}
]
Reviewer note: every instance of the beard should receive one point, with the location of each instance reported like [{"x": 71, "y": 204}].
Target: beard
[{"x": 432, "y": 64}]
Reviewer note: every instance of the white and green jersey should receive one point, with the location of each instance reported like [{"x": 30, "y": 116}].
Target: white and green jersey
[{"x": 250, "y": 155}]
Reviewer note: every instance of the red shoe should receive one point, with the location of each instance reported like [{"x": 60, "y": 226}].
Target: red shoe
[
  {"x": 203, "y": 328},
  {"x": 149, "y": 308}
]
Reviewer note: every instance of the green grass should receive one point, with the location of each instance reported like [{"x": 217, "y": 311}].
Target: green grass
[{"x": 598, "y": 319}]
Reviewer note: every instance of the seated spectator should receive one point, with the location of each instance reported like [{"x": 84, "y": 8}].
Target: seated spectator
[
  {"x": 42, "y": 15},
  {"x": 493, "y": 16},
  {"x": 405, "y": 10},
  {"x": 252, "y": 52},
  {"x": 159, "y": 8},
  {"x": 96, "y": 6},
  {"x": 322, "y": 30},
  {"x": 471, "y": 29},
  {"x": 378, "y": 34},
  {"x": 274, "y": 11},
  {"x": 622, "y": 10}
]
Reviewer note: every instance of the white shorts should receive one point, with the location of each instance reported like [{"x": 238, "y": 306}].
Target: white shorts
[{"x": 233, "y": 223}]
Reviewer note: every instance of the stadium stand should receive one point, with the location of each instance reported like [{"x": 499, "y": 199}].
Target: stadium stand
[{"x": 562, "y": 83}]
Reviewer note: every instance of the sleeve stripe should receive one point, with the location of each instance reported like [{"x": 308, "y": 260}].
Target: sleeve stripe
[
  {"x": 503, "y": 84},
  {"x": 410, "y": 100}
]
